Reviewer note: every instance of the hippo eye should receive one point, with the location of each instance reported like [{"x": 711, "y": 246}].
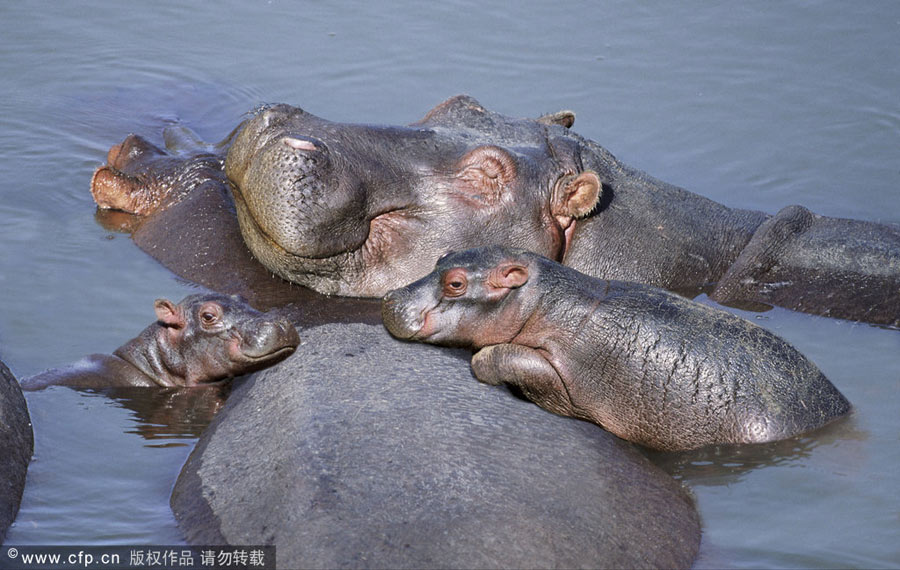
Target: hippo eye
[
  {"x": 209, "y": 315},
  {"x": 455, "y": 283}
]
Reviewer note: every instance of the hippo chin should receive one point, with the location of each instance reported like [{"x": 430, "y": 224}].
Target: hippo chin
[
  {"x": 646, "y": 364},
  {"x": 357, "y": 210},
  {"x": 202, "y": 340}
]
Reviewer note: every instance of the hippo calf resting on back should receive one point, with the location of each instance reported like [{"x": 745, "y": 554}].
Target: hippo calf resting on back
[
  {"x": 356, "y": 210},
  {"x": 648, "y": 365},
  {"x": 199, "y": 341}
]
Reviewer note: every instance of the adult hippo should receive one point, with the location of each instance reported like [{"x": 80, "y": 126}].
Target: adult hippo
[
  {"x": 16, "y": 447},
  {"x": 176, "y": 204},
  {"x": 646, "y": 364},
  {"x": 358, "y": 210},
  {"x": 203, "y": 339},
  {"x": 366, "y": 452}
]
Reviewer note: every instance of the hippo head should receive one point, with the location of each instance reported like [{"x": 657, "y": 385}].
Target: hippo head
[
  {"x": 140, "y": 178},
  {"x": 206, "y": 338},
  {"x": 358, "y": 210},
  {"x": 472, "y": 299}
]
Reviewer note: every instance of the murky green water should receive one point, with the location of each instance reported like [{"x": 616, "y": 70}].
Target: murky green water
[{"x": 754, "y": 105}]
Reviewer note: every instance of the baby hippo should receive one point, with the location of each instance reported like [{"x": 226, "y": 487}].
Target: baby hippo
[
  {"x": 649, "y": 366},
  {"x": 202, "y": 339}
]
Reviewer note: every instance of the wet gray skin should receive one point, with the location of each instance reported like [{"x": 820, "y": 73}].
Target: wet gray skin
[
  {"x": 16, "y": 447},
  {"x": 646, "y": 364},
  {"x": 203, "y": 339},
  {"x": 357, "y": 210}
]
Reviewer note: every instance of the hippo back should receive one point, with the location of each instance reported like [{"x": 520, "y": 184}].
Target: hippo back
[
  {"x": 16, "y": 447},
  {"x": 364, "y": 451}
]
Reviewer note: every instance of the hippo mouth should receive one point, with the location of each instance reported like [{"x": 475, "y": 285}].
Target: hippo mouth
[
  {"x": 342, "y": 270},
  {"x": 269, "y": 351},
  {"x": 404, "y": 321},
  {"x": 277, "y": 354}
]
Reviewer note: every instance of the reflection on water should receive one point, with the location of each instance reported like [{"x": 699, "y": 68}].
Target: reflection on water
[
  {"x": 105, "y": 462},
  {"x": 728, "y": 464},
  {"x": 162, "y": 415},
  {"x": 796, "y": 103}
]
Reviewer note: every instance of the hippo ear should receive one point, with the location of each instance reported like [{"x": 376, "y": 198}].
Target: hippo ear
[
  {"x": 509, "y": 276},
  {"x": 564, "y": 118},
  {"x": 168, "y": 314},
  {"x": 575, "y": 197}
]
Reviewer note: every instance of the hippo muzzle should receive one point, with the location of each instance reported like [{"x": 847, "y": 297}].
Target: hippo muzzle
[
  {"x": 303, "y": 199},
  {"x": 404, "y": 313},
  {"x": 268, "y": 340}
]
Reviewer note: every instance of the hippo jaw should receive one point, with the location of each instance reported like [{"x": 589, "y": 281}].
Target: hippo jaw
[
  {"x": 358, "y": 210},
  {"x": 348, "y": 273},
  {"x": 271, "y": 342}
]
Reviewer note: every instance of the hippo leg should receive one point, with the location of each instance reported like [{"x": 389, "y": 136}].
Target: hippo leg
[
  {"x": 827, "y": 266},
  {"x": 526, "y": 369}
]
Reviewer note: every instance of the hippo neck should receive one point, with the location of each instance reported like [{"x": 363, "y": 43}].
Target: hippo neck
[
  {"x": 145, "y": 354},
  {"x": 556, "y": 319},
  {"x": 648, "y": 231}
]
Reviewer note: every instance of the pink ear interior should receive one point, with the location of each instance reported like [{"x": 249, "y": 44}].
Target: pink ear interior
[
  {"x": 575, "y": 198},
  {"x": 168, "y": 314},
  {"x": 510, "y": 276}
]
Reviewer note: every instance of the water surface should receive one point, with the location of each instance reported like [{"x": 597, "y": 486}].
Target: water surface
[{"x": 754, "y": 105}]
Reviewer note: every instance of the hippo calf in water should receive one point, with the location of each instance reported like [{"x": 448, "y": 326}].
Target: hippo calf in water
[
  {"x": 646, "y": 364},
  {"x": 357, "y": 210},
  {"x": 203, "y": 339}
]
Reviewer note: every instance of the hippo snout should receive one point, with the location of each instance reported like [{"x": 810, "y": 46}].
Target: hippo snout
[
  {"x": 270, "y": 338},
  {"x": 399, "y": 314}
]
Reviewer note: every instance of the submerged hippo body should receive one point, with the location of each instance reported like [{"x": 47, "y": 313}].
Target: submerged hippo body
[
  {"x": 366, "y": 452},
  {"x": 199, "y": 341},
  {"x": 16, "y": 447},
  {"x": 646, "y": 364},
  {"x": 358, "y": 209}
]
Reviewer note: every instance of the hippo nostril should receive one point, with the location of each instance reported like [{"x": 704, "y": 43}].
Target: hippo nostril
[{"x": 299, "y": 144}]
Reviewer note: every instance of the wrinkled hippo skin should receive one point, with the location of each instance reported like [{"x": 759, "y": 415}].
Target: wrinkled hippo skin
[
  {"x": 202, "y": 340},
  {"x": 16, "y": 447},
  {"x": 176, "y": 205},
  {"x": 646, "y": 364},
  {"x": 797, "y": 255},
  {"x": 363, "y": 451},
  {"x": 357, "y": 210}
]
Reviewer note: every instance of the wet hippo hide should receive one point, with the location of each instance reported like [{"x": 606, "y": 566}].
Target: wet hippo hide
[
  {"x": 360, "y": 450},
  {"x": 356, "y": 210},
  {"x": 16, "y": 447},
  {"x": 196, "y": 236}
]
